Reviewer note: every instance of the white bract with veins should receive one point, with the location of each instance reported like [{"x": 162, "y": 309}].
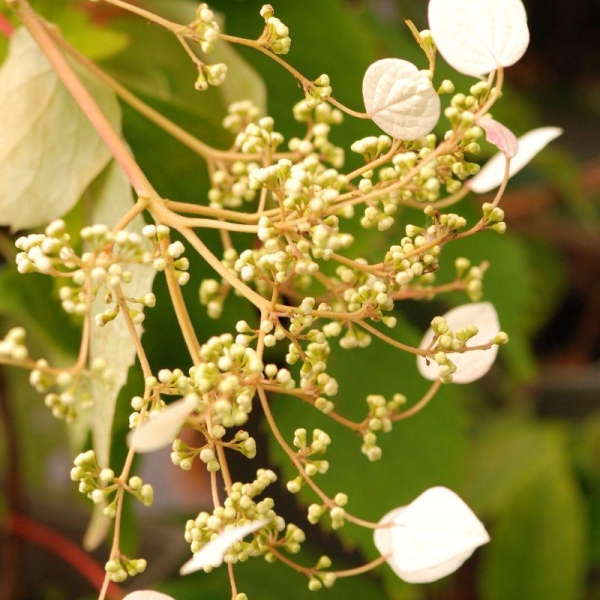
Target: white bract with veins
[
  {"x": 473, "y": 364},
  {"x": 431, "y": 537},
  {"x": 530, "y": 144},
  {"x": 400, "y": 99},
  {"x": 476, "y": 37},
  {"x": 160, "y": 431},
  {"x": 212, "y": 554}
]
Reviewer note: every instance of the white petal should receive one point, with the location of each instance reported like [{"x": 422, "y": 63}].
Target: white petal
[
  {"x": 499, "y": 135},
  {"x": 432, "y": 536},
  {"x": 213, "y": 553},
  {"x": 477, "y": 36},
  {"x": 470, "y": 366},
  {"x": 147, "y": 595},
  {"x": 492, "y": 173},
  {"x": 383, "y": 536},
  {"x": 400, "y": 99},
  {"x": 161, "y": 430}
]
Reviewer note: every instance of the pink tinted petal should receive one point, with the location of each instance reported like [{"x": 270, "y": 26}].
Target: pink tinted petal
[
  {"x": 499, "y": 135},
  {"x": 530, "y": 144}
]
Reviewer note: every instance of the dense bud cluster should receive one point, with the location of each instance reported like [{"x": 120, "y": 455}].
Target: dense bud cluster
[
  {"x": 240, "y": 507},
  {"x": 205, "y": 28},
  {"x": 101, "y": 484},
  {"x": 276, "y": 36}
]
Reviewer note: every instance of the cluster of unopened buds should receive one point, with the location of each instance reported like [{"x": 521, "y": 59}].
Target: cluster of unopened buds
[{"x": 311, "y": 295}]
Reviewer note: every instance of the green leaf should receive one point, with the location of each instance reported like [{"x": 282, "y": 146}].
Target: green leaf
[
  {"x": 95, "y": 41},
  {"x": 314, "y": 51},
  {"x": 419, "y": 453},
  {"x": 586, "y": 458},
  {"x": 111, "y": 194},
  {"x": 506, "y": 455},
  {"x": 538, "y": 547},
  {"x": 157, "y": 67},
  {"x": 49, "y": 152},
  {"x": 73, "y": 17}
]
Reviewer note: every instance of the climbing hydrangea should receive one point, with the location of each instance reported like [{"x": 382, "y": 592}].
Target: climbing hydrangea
[{"x": 294, "y": 202}]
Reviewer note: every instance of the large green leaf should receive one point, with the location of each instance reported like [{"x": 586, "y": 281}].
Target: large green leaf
[
  {"x": 94, "y": 40},
  {"x": 506, "y": 455},
  {"x": 315, "y": 50},
  {"x": 111, "y": 197},
  {"x": 49, "y": 152},
  {"x": 586, "y": 458},
  {"x": 519, "y": 481},
  {"x": 157, "y": 67},
  {"x": 538, "y": 546}
]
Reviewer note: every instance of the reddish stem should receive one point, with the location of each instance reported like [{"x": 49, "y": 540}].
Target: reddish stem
[
  {"x": 6, "y": 27},
  {"x": 57, "y": 544}
]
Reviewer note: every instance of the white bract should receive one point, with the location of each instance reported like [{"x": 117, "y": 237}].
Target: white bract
[
  {"x": 212, "y": 554},
  {"x": 499, "y": 135},
  {"x": 161, "y": 430},
  {"x": 431, "y": 537},
  {"x": 400, "y": 99},
  {"x": 471, "y": 365},
  {"x": 476, "y": 37},
  {"x": 147, "y": 595},
  {"x": 492, "y": 173},
  {"x": 49, "y": 151}
]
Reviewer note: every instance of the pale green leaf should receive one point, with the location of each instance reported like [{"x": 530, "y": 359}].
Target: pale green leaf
[
  {"x": 109, "y": 198},
  {"x": 49, "y": 152},
  {"x": 538, "y": 547},
  {"x": 157, "y": 67},
  {"x": 95, "y": 41},
  {"x": 506, "y": 455},
  {"x": 97, "y": 529},
  {"x": 112, "y": 197}
]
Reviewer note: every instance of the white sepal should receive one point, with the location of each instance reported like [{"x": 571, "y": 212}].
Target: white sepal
[
  {"x": 400, "y": 99},
  {"x": 499, "y": 135},
  {"x": 147, "y": 595},
  {"x": 431, "y": 537},
  {"x": 471, "y": 365},
  {"x": 530, "y": 144},
  {"x": 212, "y": 554},
  {"x": 476, "y": 37},
  {"x": 161, "y": 430}
]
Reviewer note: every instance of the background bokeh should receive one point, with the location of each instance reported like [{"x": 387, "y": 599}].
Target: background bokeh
[{"x": 522, "y": 447}]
